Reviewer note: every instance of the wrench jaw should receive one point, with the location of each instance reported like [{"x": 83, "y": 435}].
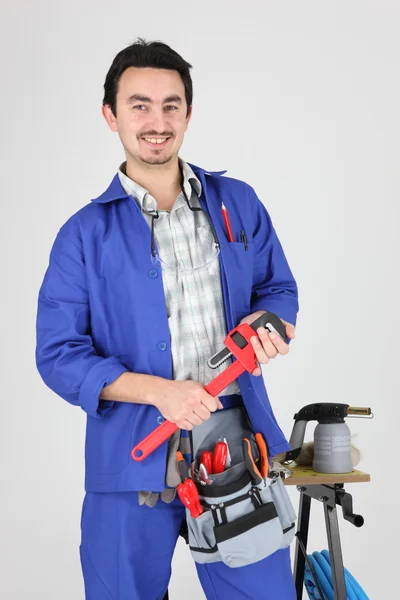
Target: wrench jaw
[
  {"x": 269, "y": 321},
  {"x": 233, "y": 339},
  {"x": 219, "y": 358}
]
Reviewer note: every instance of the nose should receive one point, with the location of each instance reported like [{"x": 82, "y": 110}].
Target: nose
[{"x": 158, "y": 120}]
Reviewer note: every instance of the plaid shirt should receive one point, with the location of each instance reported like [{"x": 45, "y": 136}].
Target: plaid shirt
[{"x": 194, "y": 300}]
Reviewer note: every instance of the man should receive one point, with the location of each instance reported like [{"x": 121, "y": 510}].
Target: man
[{"x": 142, "y": 286}]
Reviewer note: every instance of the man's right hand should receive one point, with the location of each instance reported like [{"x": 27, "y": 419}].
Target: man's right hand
[{"x": 185, "y": 403}]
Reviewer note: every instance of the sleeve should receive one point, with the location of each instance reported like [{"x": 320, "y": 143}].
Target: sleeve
[
  {"x": 274, "y": 287},
  {"x": 65, "y": 357}
]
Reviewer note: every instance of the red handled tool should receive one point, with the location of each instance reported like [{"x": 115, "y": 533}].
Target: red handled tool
[
  {"x": 189, "y": 496},
  {"x": 187, "y": 490},
  {"x": 206, "y": 458},
  {"x": 237, "y": 343},
  {"x": 220, "y": 456}
]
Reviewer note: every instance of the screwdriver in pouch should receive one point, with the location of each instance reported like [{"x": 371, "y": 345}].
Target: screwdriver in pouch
[
  {"x": 220, "y": 456},
  {"x": 187, "y": 490},
  {"x": 206, "y": 460}
]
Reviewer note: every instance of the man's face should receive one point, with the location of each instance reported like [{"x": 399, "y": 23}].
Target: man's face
[{"x": 151, "y": 114}]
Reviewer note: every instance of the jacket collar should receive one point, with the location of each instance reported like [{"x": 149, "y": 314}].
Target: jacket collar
[{"x": 115, "y": 191}]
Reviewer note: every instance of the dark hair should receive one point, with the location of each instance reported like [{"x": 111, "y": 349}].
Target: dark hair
[{"x": 156, "y": 55}]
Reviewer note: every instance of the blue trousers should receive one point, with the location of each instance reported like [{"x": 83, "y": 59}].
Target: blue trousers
[{"x": 126, "y": 552}]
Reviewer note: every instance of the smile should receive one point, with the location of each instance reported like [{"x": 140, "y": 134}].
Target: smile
[{"x": 156, "y": 141}]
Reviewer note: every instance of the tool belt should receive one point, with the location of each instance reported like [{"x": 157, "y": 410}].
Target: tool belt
[{"x": 241, "y": 522}]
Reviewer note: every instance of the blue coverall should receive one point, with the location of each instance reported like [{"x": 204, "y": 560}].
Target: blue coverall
[{"x": 102, "y": 312}]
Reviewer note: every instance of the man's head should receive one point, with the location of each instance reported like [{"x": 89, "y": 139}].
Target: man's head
[{"x": 148, "y": 99}]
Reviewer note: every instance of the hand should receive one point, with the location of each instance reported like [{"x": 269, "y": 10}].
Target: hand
[
  {"x": 185, "y": 403},
  {"x": 268, "y": 345}
]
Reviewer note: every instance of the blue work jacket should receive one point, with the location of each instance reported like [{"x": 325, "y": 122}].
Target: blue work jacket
[{"x": 102, "y": 311}]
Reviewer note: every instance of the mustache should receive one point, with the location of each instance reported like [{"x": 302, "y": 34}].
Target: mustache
[{"x": 156, "y": 133}]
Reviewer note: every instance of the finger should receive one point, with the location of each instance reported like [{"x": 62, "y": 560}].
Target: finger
[
  {"x": 257, "y": 371},
  {"x": 277, "y": 341},
  {"x": 259, "y": 350},
  {"x": 289, "y": 329},
  {"x": 185, "y": 424},
  {"x": 194, "y": 419},
  {"x": 266, "y": 344},
  {"x": 211, "y": 403},
  {"x": 202, "y": 412}
]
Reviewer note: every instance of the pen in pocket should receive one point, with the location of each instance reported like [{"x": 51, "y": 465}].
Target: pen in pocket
[
  {"x": 227, "y": 223},
  {"x": 243, "y": 238}
]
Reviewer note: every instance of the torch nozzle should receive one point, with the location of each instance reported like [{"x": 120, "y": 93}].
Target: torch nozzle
[{"x": 359, "y": 411}]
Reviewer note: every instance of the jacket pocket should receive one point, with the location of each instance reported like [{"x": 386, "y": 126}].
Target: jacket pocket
[
  {"x": 239, "y": 268},
  {"x": 109, "y": 440}
]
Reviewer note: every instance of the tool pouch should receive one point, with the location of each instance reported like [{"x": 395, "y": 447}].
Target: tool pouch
[{"x": 241, "y": 523}]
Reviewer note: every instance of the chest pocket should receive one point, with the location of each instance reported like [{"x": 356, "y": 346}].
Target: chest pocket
[{"x": 239, "y": 267}]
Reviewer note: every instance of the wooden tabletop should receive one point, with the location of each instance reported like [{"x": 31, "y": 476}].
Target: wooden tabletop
[{"x": 306, "y": 476}]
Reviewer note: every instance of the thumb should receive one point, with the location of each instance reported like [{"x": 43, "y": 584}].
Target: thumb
[{"x": 290, "y": 329}]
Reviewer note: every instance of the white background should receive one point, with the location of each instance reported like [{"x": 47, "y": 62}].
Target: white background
[{"x": 299, "y": 99}]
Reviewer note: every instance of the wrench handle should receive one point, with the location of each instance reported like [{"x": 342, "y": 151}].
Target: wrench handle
[
  {"x": 153, "y": 440},
  {"x": 245, "y": 361}
]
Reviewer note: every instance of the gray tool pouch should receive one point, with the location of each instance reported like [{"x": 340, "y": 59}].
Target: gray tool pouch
[{"x": 241, "y": 523}]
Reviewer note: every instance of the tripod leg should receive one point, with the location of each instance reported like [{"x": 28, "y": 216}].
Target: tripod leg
[
  {"x": 335, "y": 552},
  {"x": 302, "y": 531}
]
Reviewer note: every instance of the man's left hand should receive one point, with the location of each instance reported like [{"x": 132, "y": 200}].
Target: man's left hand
[{"x": 268, "y": 345}]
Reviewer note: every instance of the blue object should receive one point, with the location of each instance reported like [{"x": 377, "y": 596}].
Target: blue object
[
  {"x": 321, "y": 563},
  {"x": 126, "y": 552},
  {"x": 102, "y": 312}
]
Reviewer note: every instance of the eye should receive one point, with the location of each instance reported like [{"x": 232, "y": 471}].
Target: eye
[
  {"x": 171, "y": 107},
  {"x": 139, "y": 106}
]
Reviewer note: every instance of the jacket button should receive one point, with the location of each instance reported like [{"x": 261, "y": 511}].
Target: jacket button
[
  {"x": 162, "y": 346},
  {"x": 160, "y": 420},
  {"x": 153, "y": 273}
]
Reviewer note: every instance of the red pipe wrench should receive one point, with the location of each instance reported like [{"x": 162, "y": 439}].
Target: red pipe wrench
[{"x": 237, "y": 343}]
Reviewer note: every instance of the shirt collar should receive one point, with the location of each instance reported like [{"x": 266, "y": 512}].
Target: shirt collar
[
  {"x": 115, "y": 191},
  {"x": 146, "y": 202},
  {"x": 189, "y": 179}
]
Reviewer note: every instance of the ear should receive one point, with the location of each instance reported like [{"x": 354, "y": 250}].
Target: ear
[
  {"x": 189, "y": 116},
  {"x": 109, "y": 117}
]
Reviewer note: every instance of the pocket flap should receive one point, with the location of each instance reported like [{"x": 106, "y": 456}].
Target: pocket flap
[{"x": 265, "y": 513}]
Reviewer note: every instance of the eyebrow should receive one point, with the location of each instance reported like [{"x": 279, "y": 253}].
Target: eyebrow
[{"x": 140, "y": 98}]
